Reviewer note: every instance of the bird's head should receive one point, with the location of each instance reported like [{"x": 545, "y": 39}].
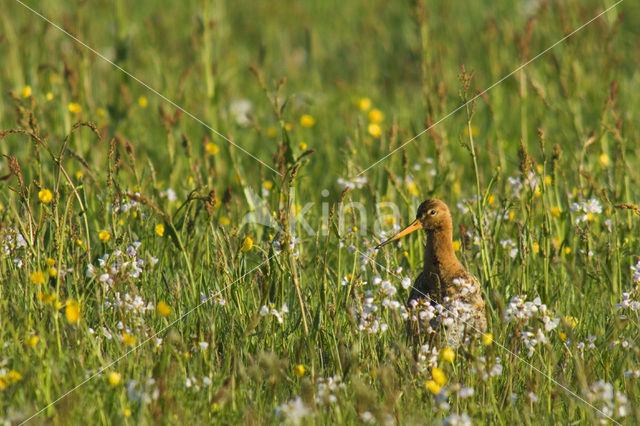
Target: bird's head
[{"x": 433, "y": 215}]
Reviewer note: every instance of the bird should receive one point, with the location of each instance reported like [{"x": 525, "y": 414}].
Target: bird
[{"x": 445, "y": 291}]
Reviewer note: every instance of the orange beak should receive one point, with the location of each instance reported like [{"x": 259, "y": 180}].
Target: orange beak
[{"x": 415, "y": 225}]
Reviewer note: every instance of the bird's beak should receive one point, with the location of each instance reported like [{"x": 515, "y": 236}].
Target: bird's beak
[{"x": 415, "y": 225}]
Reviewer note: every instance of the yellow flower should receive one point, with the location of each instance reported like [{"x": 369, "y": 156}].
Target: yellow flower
[
  {"x": 562, "y": 336},
  {"x": 433, "y": 387},
  {"x": 548, "y": 180},
  {"x": 571, "y": 321},
  {"x": 288, "y": 127},
  {"x": 79, "y": 175},
  {"x": 299, "y": 370},
  {"x": 32, "y": 341},
  {"x": 75, "y": 108},
  {"x": 307, "y": 121},
  {"x": 126, "y": 412},
  {"x": 79, "y": 242},
  {"x": 50, "y": 261},
  {"x": 364, "y": 104},
  {"x": 114, "y": 378},
  {"x": 104, "y": 236},
  {"x": 1, "y": 207},
  {"x": 438, "y": 376},
  {"x": 224, "y": 221},
  {"x": 555, "y": 211},
  {"x": 413, "y": 189},
  {"x": 212, "y": 148},
  {"x": 72, "y": 311},
  {"x": 604, "y": 159},
  {"x": 48, "y": 298},
  {"x": 567, "y": 250},
  {"x": 143, "y": 102},
  {"x": 45, "y": 196},
  {"x": 128, "y": 339},
  {"x": 247, "y": 244},
  {"x": 26, "y": 92},
  {"x": 512, "y": 215},
  {"x": 374, "y": 130},
  {"x": 53, "y": 272},
  {"x": 14, "y": 376},
  {"x": 536, "y": 247},
  {"x": 487, "y": 338},
  {"x": 405, "y": 253},
  {"x": 540, "y": 168},
  {"x": 163, "y": 309},
  {"x": 101, "y": 112},
  {"x": 37, "y": 277},
  {"x": 447, "y": 355},
  {"x": 267, "y": 184},
  {"x": 272, "y": 132},
  {"x": 456, "y": 245},
  {"x": 456, "y": 187},
  {"x": 49, "y": 96},
  {"x": 302, "y": 145},
  {"x": 375, "y": 116},
  {"x": 474, "y": 131},
  {"x": 159, "y": 229}
]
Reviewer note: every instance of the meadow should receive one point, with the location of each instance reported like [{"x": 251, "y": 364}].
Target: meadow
[{"x": 187, "y": 230}]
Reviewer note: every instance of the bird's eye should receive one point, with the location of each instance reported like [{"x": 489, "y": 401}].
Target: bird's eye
[{"x": 432, "y": 212}]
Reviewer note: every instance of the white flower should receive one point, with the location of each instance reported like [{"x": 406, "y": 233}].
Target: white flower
[
  {"x": 406, "y": 283},
  {"x": 465, "y": 392},
  {"x": 327, "y": 389},
  {"x": 515, "y": 184},
  {"x": 388, "y": 288},
  {"x": 240, "y": 110},
  {"x": 585, "y": 210},
  {"x": 293, "y": 411},
  {"x": 610, "y": 402},
  {"x": 357, "y": 182},
  {"x": 367, "y": 417},
  {"x": 457, "y": 420}
]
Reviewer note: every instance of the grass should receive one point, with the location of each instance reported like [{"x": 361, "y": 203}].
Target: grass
[{"x": 94, "y": 162}]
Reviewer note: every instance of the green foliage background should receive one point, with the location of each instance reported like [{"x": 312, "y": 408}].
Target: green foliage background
[{"x": 569, "y": 120}]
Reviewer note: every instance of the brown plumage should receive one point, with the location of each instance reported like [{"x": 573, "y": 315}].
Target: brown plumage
[{"x": 444, "y": 281}]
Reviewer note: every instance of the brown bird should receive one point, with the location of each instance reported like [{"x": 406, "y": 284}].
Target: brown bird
[{"x": 453, "y": 295}]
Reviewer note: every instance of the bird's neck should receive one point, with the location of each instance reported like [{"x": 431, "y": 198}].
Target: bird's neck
[{"x": 439, "y": 255}]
